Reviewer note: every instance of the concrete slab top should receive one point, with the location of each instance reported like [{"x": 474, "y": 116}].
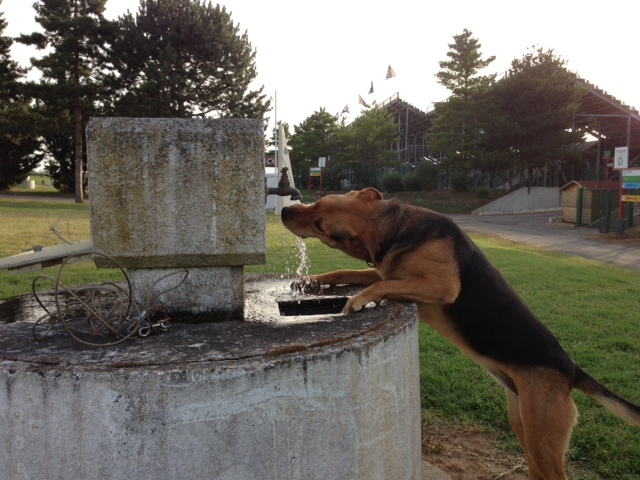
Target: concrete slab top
[{"x": 263, "y": 333}]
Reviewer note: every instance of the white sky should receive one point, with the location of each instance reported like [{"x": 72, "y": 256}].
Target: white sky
[{"x": 325, "y": 54}]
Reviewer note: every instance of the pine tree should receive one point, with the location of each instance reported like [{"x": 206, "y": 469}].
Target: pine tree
[
  {"x": 18, "y": 141},
  {"x": 457, "y": 130},
  {"x": 71, "y": 85},
  {"x": 184, "y": 58},
  {"x": 534, "y": 108}
]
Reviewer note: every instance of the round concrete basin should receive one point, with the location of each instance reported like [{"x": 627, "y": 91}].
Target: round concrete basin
[{"x": 314, "y": 396}]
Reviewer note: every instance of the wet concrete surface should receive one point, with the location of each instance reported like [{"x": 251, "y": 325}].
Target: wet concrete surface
[
  {"x": 263, "y": 332},
  {"x": 536, "y": 229}
]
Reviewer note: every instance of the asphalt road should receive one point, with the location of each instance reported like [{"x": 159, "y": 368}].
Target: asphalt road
[{"x": 535, "y": 229}]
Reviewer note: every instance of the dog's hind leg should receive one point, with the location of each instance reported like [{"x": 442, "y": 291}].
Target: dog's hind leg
[
  {"x": 547, "y": 415},
  {"x": 513, "y": 409}
]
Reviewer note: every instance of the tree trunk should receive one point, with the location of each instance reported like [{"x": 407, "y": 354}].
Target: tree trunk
[{"x": 78, "y": 136}]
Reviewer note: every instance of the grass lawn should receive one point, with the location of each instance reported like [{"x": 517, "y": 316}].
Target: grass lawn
[
  {"x": 42, "y": 184},
  {"x": 591, "y": 307}
]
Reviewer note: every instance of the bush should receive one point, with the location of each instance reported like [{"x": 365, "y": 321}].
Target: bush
[
  {"x": 427, "y": 176},
  {"x": 411, "y": 183},
  {"x": 333, "y": 175},
  {"x": 392, "y": 182},
  {"x": 485, "y": 192},
  {"x": 459, "y": 181}
]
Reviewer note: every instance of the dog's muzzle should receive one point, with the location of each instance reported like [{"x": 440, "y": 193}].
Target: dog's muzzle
[{"x": 286, "y": 213}]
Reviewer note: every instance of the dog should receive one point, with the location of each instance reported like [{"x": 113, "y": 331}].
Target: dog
[{"x": 417, "y": 255}]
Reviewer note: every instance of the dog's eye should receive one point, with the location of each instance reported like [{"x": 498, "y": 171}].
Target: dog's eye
[{"x": 318, "y": 224}]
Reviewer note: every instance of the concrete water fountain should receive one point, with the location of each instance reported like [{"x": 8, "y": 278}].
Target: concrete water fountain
[{"x": 254, "y": 384}]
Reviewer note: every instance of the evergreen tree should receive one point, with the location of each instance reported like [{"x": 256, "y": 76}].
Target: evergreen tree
[
  {"x": 535, "y": 104},
  {"x": 459, "y": 75},
  {"x": 369, "y": 141},
  {"x": 76, "y": 32},
  {"x": 315, "y": 137},
  {"x": 184, "y": 58},
  {"x": 18, "y": 141},
  {"x": 457, "y": 131}
]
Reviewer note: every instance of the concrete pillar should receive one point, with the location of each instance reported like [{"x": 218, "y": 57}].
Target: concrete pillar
[{"x": 174, "y": 194}]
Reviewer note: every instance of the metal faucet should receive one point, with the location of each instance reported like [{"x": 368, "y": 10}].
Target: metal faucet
[{"x": 284, "y": 187}]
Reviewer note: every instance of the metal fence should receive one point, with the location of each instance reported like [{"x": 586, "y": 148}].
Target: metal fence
[{"x": 600, "y": 208}]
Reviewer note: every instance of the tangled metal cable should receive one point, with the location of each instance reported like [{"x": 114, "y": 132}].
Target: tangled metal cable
[{"x": 105, "y": 314}]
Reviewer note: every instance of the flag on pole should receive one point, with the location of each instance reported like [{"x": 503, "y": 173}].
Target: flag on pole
[
  {"x": 345, "y": 109},
  {"x": 390, "y": 73},
  {"x": 371, "y": 89},
  {"x": 362, "y": 102}
]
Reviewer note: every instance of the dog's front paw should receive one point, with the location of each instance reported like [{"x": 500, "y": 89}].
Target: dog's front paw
[
  {"x": 306, "y": 284},
  {"x": 357, "y": 303}
]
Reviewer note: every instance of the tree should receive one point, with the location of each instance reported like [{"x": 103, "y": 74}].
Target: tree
[
  {"x": 315, "y": 137},
  {"x": 535, "y": 106},
  {"x": 184, "y": 58},
  {"x": 457, "y": 131},
  {"x": 18, "y": 142},
  {"x": 369, "y": 142},
  {"x": 76, "y": 32}
]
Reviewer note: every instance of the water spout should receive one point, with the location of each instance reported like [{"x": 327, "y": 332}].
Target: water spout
[{"x": 284, "y": 187}]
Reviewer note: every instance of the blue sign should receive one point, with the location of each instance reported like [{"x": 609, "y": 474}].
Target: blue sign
[{"x": 630, "y": 185}]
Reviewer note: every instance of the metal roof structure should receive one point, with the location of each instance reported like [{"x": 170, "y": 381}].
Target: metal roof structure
[
  {"x": 613, "y": 122},
  {"x": 604, "y": 116},
  {"x": 414, "y": 123}
]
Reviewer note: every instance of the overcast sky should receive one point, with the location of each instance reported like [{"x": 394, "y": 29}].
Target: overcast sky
[{"x": 324, "y": 54}]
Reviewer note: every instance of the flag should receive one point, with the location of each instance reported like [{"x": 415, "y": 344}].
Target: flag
[
  {"x": 371, "y": 89},
  {"x": 345, "y": 109},
  {"x": 390, "y": 73},
  {"x": 362, "y": 102}
]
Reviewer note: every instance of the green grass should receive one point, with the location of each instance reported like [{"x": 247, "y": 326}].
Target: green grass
[
  {"x": 27, "y": 223},
  {"x": 447, "y": 202},
  {"x": 591, "y": 307},
  {"x": 42, "y": 186}
]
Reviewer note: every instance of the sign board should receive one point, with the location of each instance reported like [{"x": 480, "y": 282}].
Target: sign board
[
  {"x": 315, "y": 172},
  {"x": 322, "y": 162},
  {"x": 621, "y": 158},
  {"x": 630, "y": 198},
  {"x": 607, "y": 154},
  {"x": 631, "y": 179}
]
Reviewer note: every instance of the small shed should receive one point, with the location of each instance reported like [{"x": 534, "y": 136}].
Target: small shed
[
  {"x": 569, "y": 201},
  {"x": 591, "y": 203}
]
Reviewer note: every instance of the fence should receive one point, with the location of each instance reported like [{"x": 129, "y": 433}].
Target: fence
[{"x": 600, "y": 208}]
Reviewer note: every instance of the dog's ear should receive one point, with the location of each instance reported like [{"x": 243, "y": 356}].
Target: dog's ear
[{"x": 370, "y": 194}]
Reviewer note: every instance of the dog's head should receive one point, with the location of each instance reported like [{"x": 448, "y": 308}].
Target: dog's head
[{"x": 339, "y": 221}]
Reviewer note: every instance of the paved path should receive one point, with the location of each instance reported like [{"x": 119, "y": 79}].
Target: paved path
[{"x": 535, "y": 229}]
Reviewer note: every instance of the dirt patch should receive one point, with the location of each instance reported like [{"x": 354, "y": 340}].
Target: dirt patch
[
  {"x": 629, "y": 238},
  {"x": 466, "y": 452}
]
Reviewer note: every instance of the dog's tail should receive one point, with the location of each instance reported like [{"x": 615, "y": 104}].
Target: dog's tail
[{"x": 617, "y": 405}]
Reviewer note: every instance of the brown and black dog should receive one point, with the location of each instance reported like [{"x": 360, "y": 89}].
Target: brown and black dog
[{"x": 421, "y": 256}]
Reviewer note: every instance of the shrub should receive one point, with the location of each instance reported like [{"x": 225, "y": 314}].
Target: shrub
[
  {"x": 411, "y": 183},
  {"x": 485, "y": 192},
  {"x": 427, "y": 176},
  {"x": 459, "y": 181},
  {"x": 392, "y": 182}
]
